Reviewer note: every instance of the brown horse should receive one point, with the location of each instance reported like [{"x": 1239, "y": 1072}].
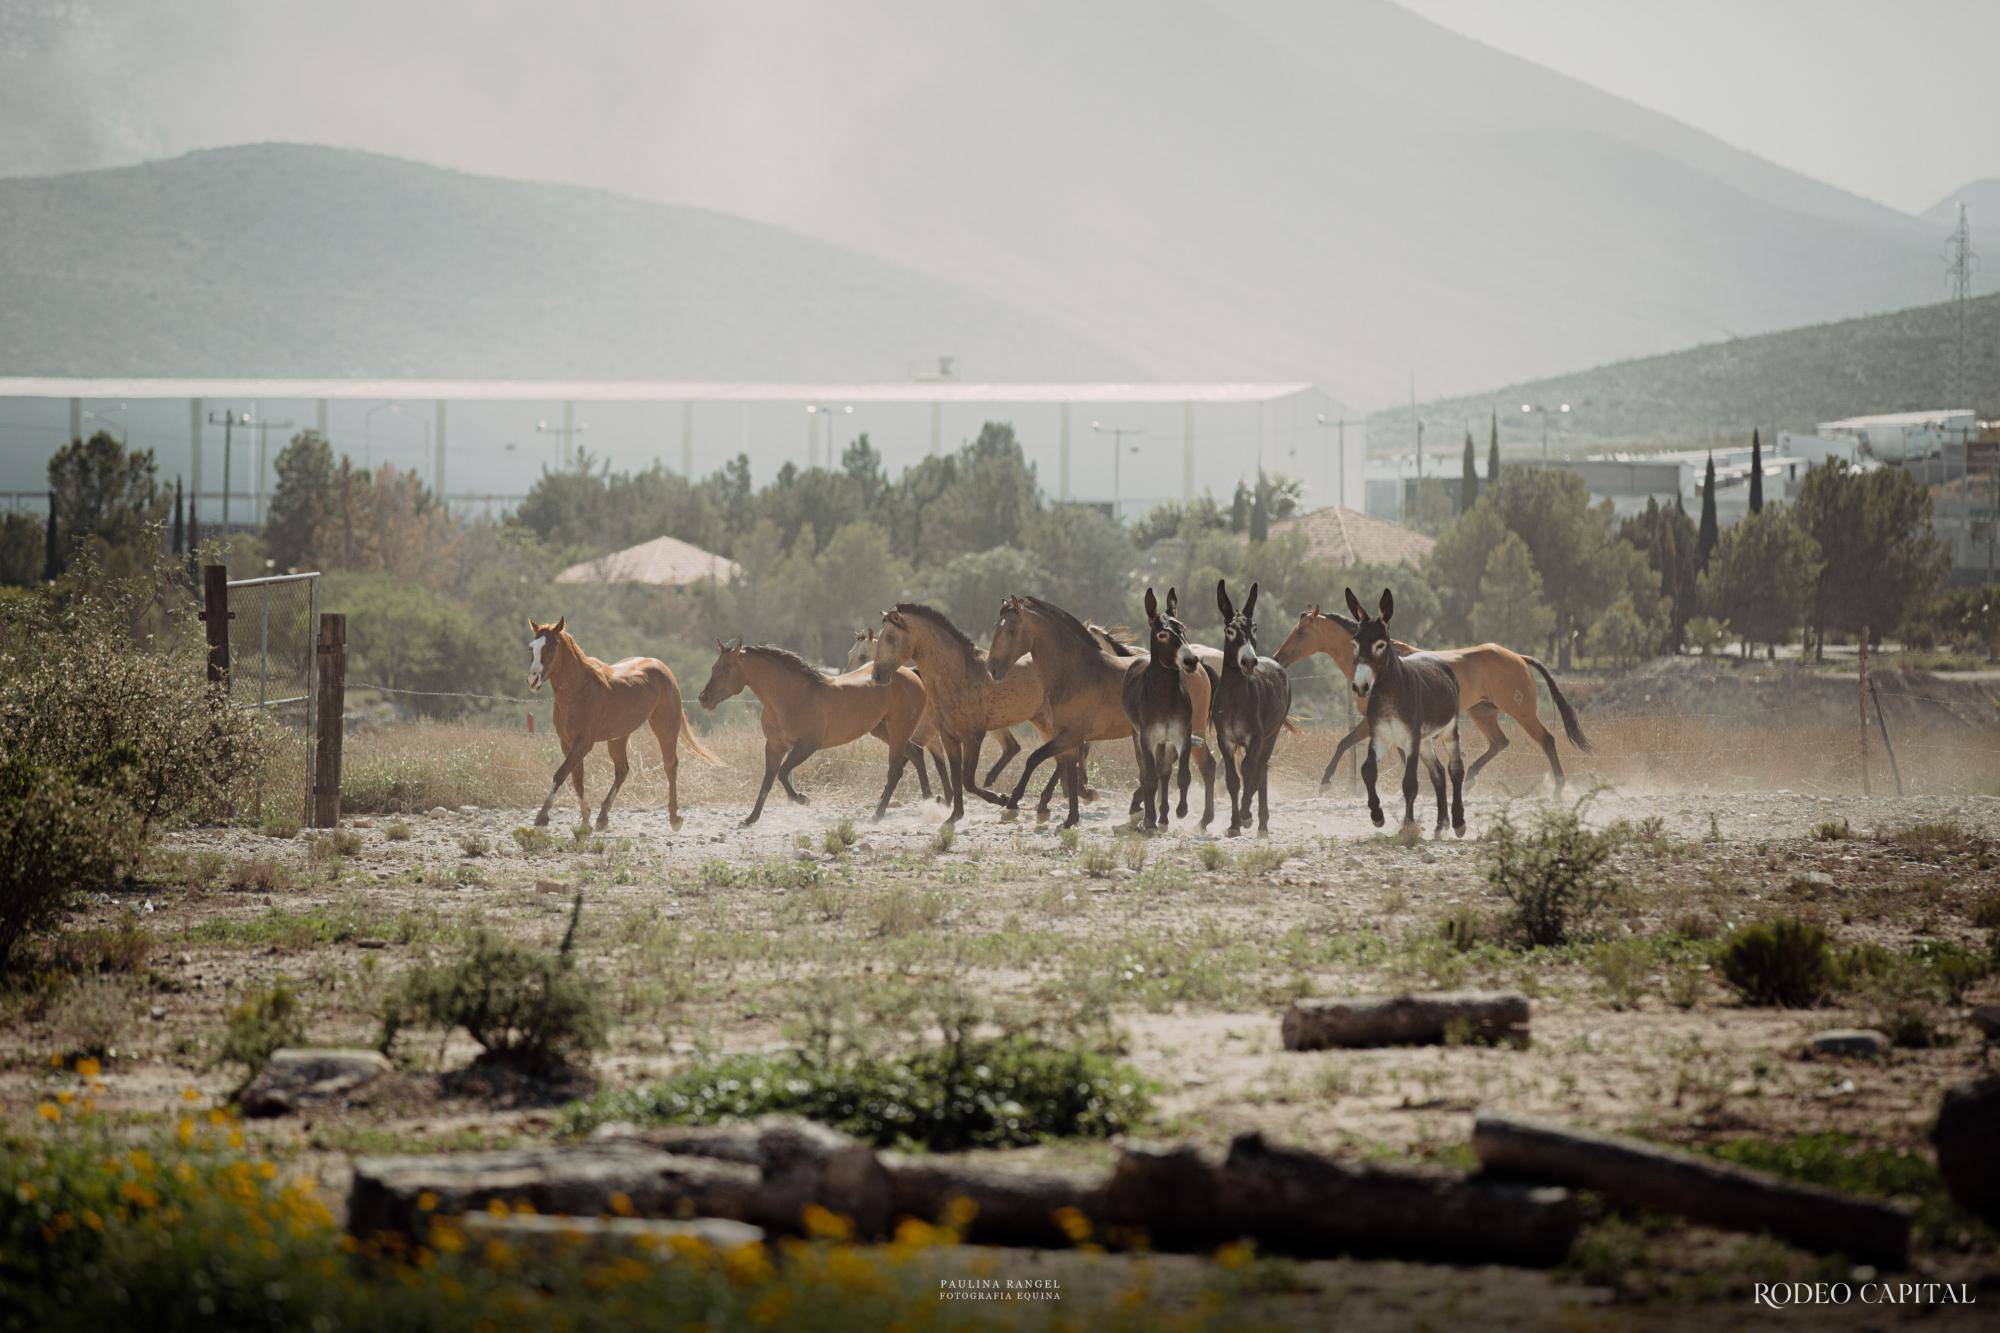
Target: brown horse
[
  {"x": 966, "y": 701},
  {"x": 596, "y": 701},
  {"x": 1405, "y": 700},
  {"x": 805, "y": 712},
  {"x": 1491, "y": 679},
  {"x": 1083, "y": 682},
  {"x": 925, "y": 738},
  {"x": 864, "y": 652}
]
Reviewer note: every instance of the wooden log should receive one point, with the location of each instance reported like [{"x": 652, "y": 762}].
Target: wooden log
[
  {"x": 390, "y": 1194},
  {"x": 1009, "y": 1207},
  {"x": 600, "y": 1238},
  {"x": 1298, "y": 1202},
  {"x": 1645, "y": 1175},
  {"x": 1164, "y": 1196},
  {"x": 1406, "y": 1020},
  {"x": 1967, "y": 1138}
]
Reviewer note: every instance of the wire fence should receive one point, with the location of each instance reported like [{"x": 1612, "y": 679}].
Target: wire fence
[{"x": 274, "y": 669}]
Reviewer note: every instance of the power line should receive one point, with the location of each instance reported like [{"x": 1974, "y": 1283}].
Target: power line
[{"x": 1958, "y": 267}]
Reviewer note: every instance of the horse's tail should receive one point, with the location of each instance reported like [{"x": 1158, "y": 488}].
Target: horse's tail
[
  {"x": 693, "y": 742},
  {"x": 1292, "y": 724},
  {"x": 1570, "y": 724}
]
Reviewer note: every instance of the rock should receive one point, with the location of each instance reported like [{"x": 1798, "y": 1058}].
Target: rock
[
  {"x": 389, "y": 1193},
  {"x": 1967, "y": 1138},
  {"x": 1986, "y": 1017},
  {"x": 1819, "y": 877},
  {"x": 302, "y": 1076},
  {"x": 600, "y": 1238},
  {"x": 551, "y": 886},
  {"x": 1849, "y": 1044},
  {"x": 438, "y": 812}
]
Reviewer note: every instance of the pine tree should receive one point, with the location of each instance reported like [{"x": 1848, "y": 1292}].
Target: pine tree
[
  {"x": 1706, "y": 537},
  {"x": 1493, "y": 450},
  {"x": 1756, "y": 472},
  {"x": 1468, "y": 476},
  {"x": 180, "y": 521},
  {"x": 51, "y": 546}
]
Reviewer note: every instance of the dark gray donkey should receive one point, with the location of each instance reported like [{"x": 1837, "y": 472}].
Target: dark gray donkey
[
  {"x": 1252, "y": 697},
  {"x": 1404, "y": 701},
  {"x": 1161, "y": 713}
]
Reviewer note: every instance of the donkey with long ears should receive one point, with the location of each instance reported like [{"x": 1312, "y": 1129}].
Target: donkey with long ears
[
  {"x": 1405, "y": 701},
  {"x": 1160, "y": 709},
  {"x": 606, "y": 702},
  {"x": 1253, "y": 696}
]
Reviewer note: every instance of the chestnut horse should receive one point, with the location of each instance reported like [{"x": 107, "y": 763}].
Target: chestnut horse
[
  {"x": 1083, "y": 681},
  {"x": 864, "y": 652},
  {"x": 603, "y": 702},
  {"x": 1491, "y": 679},
  {"x": 805, "y": 712}
]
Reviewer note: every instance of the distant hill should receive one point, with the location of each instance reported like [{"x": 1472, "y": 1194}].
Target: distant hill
[
  {"x": 1788, "y": 381},
  {"x": 289, "y": 260},
  {"x": 1981, "y": 197}
]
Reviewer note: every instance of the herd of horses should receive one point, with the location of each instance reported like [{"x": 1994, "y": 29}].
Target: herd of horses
[{"x": 920, "y": 685}]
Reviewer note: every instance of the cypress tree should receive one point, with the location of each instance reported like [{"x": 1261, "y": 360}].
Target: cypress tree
[
  {"x": 51, "y": 546},
  {"x": 1493, "y": 450},
  {"x": 1468, "y": 476},
  {"x": 1260, "y": 514},
  {"x": 1756, "y": 472},
  {"x": 180, "y": 525},
  {"x": 1707, "y": 535},
  {"x": 194, "y": 531}
]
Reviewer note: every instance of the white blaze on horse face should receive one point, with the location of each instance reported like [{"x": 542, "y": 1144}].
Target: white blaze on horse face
[{"x": 535, "y": 661}]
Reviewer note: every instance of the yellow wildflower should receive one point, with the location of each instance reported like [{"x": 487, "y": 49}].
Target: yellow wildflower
[
  {"x": 770, "y": 1306},
  {"x": 426, "y": 1202},
  {"x": 66, "y": 1096},
  {"x": 748, "y": 1264},
  {"x": 26, "y": 1191},
  {"x": 188, "y": 1094},
  {"x": 825, "y": 1224},
  {"x": 1237, "y": 1254},
  {"x": 49, "y": 1111},
  {"x": 88, "y": 1068},
  {"x": 92, "y": 1220},
  {"x": 621, "y": 1204},
  {"x": 446, "y": 1238},
  {"x": 133, "y": 1192},
  {"x": 1074, "y": 1224},
  {"x": 524, "y": 1207},
  {"x": 497, "y": 1207}
]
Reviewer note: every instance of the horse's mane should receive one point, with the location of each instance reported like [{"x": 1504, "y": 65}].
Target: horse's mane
[
  {"x": 940, "y": 622},
  {"x": 1117, "y": 640},
  {"x": 785, "y": 657},
  {"x": 1065, "y": 621}
]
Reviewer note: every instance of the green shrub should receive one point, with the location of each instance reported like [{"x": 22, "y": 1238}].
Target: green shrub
[
  {"x": 473, "y": 844},
  {"x": 999, "y": 1092},
  {"x": 525, "y": 1007},
  {"x": 1955, "y": 968},
  {"x": 1785, "y": 963},
  {"x": 1832, "y": 830},
  {"x": 398, "y": 831},
  {"x": 1099, "y": 860},
  {"x": 267, "y": 1020},
  {"x": 1556, "y": 877},
  {"x": 56, "y": 840},
  {"x": 1839, "y": 1162},
  {"x": 534, "y": 841},
  {"x": 839, "y": 837}
]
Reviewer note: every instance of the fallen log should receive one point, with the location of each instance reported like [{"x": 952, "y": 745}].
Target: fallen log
[
  {"x": 1967, "y": 1138},
  {"x": 599, "y": 1238},
  {"x": 401, "y": 1194},
  {"x": 800, "y": 1161},
  {"x": 1407, "y": 1020},
  {"x": 1667, "y": 1180},
  {"x": 1164, "y": 1195},
  {"x": 1008, "y": 1207},
  {"x": 1302, "y": 1203}
]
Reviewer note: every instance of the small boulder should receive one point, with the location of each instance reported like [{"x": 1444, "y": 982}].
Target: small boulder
[
  {"x": 297, "y": 1077},
  {"x": 1849, "y": 1044},
  {"x": 1967, "y": 1138}
]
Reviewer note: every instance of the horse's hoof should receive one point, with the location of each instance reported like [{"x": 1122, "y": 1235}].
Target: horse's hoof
[
  {"x": 542, "y": 820},
  {"x": 1008, "y": 814},
  {"x": 1458, "y": 830},
  {"x": 1376, "y": 816},
  {"x": 1232, "y": 831},
  {"x": 602, "y": 823},
  {"x": 1090, "y": 793},
  {"x": 797, "y": 800},
  {"x": 675, "y": 822},
  {"x": 746, "y": 822}
]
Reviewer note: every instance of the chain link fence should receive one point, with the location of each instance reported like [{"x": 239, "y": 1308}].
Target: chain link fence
[{"x": 274, "y": 668}]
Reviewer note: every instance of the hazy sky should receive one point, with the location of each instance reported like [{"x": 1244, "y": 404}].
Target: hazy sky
[{"x": 1891, "y": 99}]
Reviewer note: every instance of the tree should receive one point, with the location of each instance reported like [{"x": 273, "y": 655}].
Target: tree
[
  {"x": 1510, "y": 608},
  {"x": 1468, "y": 476},
  {"x": 1705, "y": 538},
  {"x": 1087, "y": 558},
  {"x": 21, "y": 549},
  {"x": 1260, "y": 513},
  {"x": 52, "y": 561},
  {"x": 1493, "y": 450},
  {"x": 301, "y": 501},
  {"x": 1622, "y": 635},
  {"x": 1667, "y": 537},
  {"x": 1457, "y": 565},
  {"x": 103, "y": 493},
  {"x": 1756, "y": 472},
  {"x": 406, "y": 637},
  {"x": 180, "y": 520},
  {"x": 1582, "y": 564},
  {"x": 969, "y": 588},
  {"x": 1761, "y": 578},
  {"x": 1882, "y": 562},
  {"x": 1165, "y": 521}
]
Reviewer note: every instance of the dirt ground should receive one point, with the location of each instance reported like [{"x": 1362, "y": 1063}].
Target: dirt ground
[{"x": 721, "y": 938}]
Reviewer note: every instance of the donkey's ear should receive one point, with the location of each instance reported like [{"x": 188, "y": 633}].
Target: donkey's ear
[
  {"x": 1388, "y": 605},
  {"x": 1173, "y": 599},
  {"x": 1250, "y": 603},
  {"x": 860, "y": 635},
  {"x": 1354, "y": 605},
  {"x": 1222, "y": 602},
  {"x": 1152, "y": 605}
]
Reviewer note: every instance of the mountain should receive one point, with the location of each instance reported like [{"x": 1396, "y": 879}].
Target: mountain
[
  {"x": 1982, "y": 200},
  {"x": 1778, "y": 381},
  {"x": 287, "y": 260}
]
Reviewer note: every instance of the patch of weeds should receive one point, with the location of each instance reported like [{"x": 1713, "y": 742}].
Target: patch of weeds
[
  {"x": 260, "y": 874},
  {"x": 473, "y": 844},
  {"x": 1069, "y": 840},
  {"x": 839, "y": 838},
  {"x": 942, "y": 840},
  {"x": 1465, "y": 929},
  {"x": 1211, "y": 856},
  {"x": 1259, "y": 860},
  {"x": 334, "y": 845},
  {"x": 904, "y": 911},
  {"x": 1840, "y": 1162},
  {"x": 1785, "y": 963},
  {"x": 122, "y": 948},
  {"x": 1832, "y": 830},
  {"x": 1621, "y": 967},
  {"x": 398, "y": 830},
  {"x": 525, "y": 1007},
  {"x": 1609, "y": 1251},
  {"x": 1099, "y": 860},
  {"x": 89, "y": 1018},
  {"x": 1163, "y": 877},
  {"x": 1986, "y": 911},
  {"x": 1133, "y": 854},
  {"x": 1935, "y": 840},
  {"x": 279, "y": 826},
  {"x": 999, "y": 1092},
  {"x": 534, "y": 841},
  {"x": 1685, "y": 986},
  {"x": 1557, "y": 877},
  {"x": 1955, "y": 968},
  {"x": 268, "y": 1019}
]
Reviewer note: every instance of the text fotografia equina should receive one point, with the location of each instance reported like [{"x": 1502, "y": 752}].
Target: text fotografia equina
[{"x": 999, "y": 1289}]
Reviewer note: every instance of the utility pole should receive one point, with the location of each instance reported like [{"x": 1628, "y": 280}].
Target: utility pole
[
  {"x": 229, "y": 421},
  {"x": 1340, "y": 425},
  {"x": 568, "y": 431},
  {"x": 1959, "y": 267},
  {"x": 1537, "y": 407},
  {"x": 1117, "y": 434},
  {"x": 813, "y": 412}
]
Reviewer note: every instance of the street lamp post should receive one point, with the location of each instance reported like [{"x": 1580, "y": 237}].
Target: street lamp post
[
  {"x": 829, "y": 411},
  {"x": 1117, "y": 434},
  {"x": 1340, "y": 427},
  {"x": 1562, "y": 409}
]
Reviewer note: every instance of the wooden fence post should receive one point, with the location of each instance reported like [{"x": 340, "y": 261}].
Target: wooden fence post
[
  {"x": 1895, "y": 769},
  {"x": 215, "y": 613},
  {"x": 329, "y": 724},
  {"x": 1863, "y": 696}
]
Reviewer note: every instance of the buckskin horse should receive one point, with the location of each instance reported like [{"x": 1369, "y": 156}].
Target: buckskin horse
[
  {"x": 1491, "y": 680},
  {"x": 805, "y": 712},
  {"x": 1083, "y": 681},
  {"x": 1158, "y": 707},
  {"x": 606, "y": 702},
  {"x": 1406, "y": 700},
  {"x": 1252, "y": 698}
]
